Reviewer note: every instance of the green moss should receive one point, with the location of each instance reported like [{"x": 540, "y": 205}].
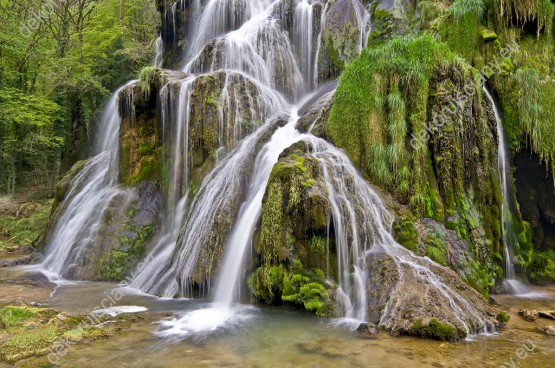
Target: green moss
[
  {"x": 503, "y": 317},
  {"x": 542, "y": 267},
  {"x": 307, "y": 288},
  {"x": 405, "y": 233},
  {"x": 26, "y": 229},
  {"x": 482, "y": 276},
  {"x": 29, "y": 343},
  {"x": 149, "y": 79},
  {"x": 116, "y": 264},
  {"x": 266, "y": 282},
  {"x": 462, "y": 34},
  {"x": 15, "y": 316},
  {"x": 488, "y": 35},
  {"x": 436, "y": 246},
  {"x": 299, "y": 286},
  {"x": 381, "y": 100},
  {"x": 435, "y": 330},
  {"x": 28, "y": 332}
]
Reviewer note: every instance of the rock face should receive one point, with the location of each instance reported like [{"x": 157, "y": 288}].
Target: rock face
[
  {"x": 536, "y": 197},
  {"x": 292, "y": 242},
  {"x": 297, "y": 238},
  {"x": 343, "y": 33},
  {"x": 423, "y": 141},
  {"x": 315, "y": 113},
  {"x": 339, "y": 30},
  {"x": 416, "y": 307},
  {"x": 215, "y": 112}
]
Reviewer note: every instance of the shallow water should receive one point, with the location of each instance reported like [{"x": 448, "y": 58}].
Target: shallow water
[{"x": 285, "y": 337}]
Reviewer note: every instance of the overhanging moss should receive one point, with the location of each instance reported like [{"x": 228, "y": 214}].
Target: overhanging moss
[{"x": 391, "y": 94}]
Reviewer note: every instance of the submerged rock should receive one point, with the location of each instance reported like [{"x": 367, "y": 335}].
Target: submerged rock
[
  {"x": 548, "y": 330},
  {"x": 528, "y": 315},
  {"x": 367, "y": 330}
]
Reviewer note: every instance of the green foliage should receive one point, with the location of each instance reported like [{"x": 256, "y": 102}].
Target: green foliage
[
  {"x": 436, "y": 246},
  {"x": 405, "y": 233},
  {"x": 503, "y": 317},
  {"x": 55, "y": 79},
  {"x": 381, "y": 99},
  {"x": 117, "y": 263},
  {"x": 434, "y": 330},
  {"x": 29, "y": 343},
  {"x": 306, "y": 288},
  {"x": 542, "y": 267},
  {"x": 266, "y": 282},
  {"x": 465, "y": 8},
  {"x": 11, "y": 317},
  {"x": 25, "y": 230},
  {"x": 149, "y": 77},
  {"x": 29, "y": 141},
  {"x": 482, "y": 277}
]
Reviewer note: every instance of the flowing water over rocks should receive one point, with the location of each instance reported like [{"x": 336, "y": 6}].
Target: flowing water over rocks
[
  {"x": 510, "y": 240},
  {"x": 208, "y": 138}
]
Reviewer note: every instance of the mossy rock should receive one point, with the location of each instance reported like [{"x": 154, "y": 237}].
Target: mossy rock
[
  {"x": 436, "y": 330},
  {"x": 503, "y": 317},
  {"x": 405, "y": 233},
  {"x": 542, "y": 268},
  {"x": 488, "y": 35}
]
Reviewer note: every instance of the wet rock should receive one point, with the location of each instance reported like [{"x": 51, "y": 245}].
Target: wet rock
[
  {"x": 547, "y": 314},
  {"x": 18, "y": 260},
  {"x": 341, "y": 36},
  {"x": 367, "y": 330},
  {"x": 403, "y": 304},
  {"x": 324, "y": 347},
  {"x": 548, "y": 330},
  {"x": 529, "y": 315},
  {"x": 314, "y": 114}
]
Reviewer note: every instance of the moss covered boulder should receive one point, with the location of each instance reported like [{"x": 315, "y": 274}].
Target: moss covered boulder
[{"x": 292, "y": 248}]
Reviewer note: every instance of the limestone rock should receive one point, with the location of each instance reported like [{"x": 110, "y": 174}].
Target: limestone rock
[
  {"x": 548, "y": 330},
  {"x": 367, "y": 330},
  {"x": 528, "y": 315}
]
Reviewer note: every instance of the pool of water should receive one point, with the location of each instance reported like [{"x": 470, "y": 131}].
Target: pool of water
[{"x": 284, "y": 337}]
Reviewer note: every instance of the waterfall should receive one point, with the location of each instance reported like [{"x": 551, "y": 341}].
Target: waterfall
[
  {"x": 263, "y": 72},
  {"x": 303, "y": 27},
  {"x": 158, "y": 52},
  {"x": 92, "y": 190},
  {"x": 252, "y": 44},
  {"x": 228, "y": 285},
  {"x": 509, "y": 235},
  {"x": 362, "y": 225}
]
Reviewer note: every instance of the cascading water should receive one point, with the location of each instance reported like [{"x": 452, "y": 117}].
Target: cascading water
[
  {"x": 227, "y": 286},
  {"x": 92, "y": 190},
  {"x": 158, "y": 52},
  {"x": 363, "y": 225},
  {"x": 509, "y": 236},
  {"x": 303, "y": 29},
  {"x": 256, "y": 47},
  {"x": 243, "y": 40}
]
